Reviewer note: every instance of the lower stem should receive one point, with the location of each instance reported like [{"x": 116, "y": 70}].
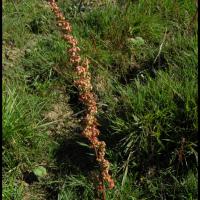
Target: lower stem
[{"x": 103, "y": 190}]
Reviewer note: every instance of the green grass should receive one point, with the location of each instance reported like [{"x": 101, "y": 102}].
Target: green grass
[{"x": 147, "y": 100}]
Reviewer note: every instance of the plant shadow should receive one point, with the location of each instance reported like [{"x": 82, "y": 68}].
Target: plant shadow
[{"x": 73, "y": 156}]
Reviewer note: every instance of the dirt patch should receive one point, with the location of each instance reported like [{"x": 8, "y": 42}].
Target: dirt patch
[
  {"x": 61, "y": 117},
  {"x": 11, "y": 55}
]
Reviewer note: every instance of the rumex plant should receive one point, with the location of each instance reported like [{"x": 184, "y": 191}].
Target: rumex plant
[{"x": 83, "y": 83}]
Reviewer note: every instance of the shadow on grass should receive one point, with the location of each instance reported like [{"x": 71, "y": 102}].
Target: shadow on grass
[{"x": 72, "y": 157}]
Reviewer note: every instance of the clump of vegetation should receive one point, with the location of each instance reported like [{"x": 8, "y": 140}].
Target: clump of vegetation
[{"x": 144, "y": 71}]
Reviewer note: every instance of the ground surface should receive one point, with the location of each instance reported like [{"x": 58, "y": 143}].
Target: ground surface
[{"x": 143, "y": 58}]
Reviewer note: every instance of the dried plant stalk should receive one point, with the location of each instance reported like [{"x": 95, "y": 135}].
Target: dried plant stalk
[{"x": 83, "y": 82}]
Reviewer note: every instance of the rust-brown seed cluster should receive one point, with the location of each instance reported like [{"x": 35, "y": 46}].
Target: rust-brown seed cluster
[{"x": 83, "y": 83}]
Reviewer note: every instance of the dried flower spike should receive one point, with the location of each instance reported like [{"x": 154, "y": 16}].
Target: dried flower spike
[{"x": 84, "y": 85}]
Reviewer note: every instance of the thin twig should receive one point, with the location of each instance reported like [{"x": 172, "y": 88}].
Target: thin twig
[
  {"x": 126, "y": 169},
  {"x": 161, "y": 45}
]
